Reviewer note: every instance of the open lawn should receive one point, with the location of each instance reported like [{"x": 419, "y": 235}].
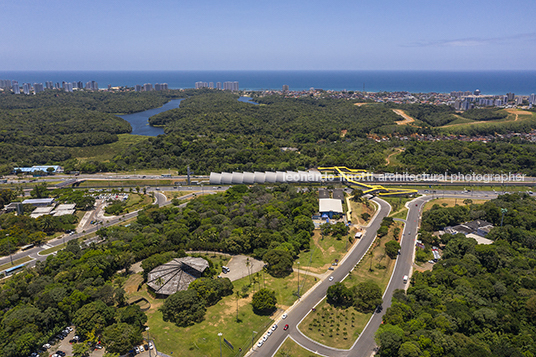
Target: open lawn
[
  {"x": 323, "y": 252},
  {"x": 53, "y": 249},
  {"x": 333, "y": 326},
  {"x": 106, "y": 152},
  {"x": 202, "y": 339},
  {"x": 440, "y": 188},
  {"x": 105, "y": 183},
  {"x": 398, "y": 206},
  {"x": 449, "y": 202},
  {"x": 322, "y": 325},
  {"x": 289, "y": 348},
  {"x": 358, "y": 208},
  {"x": 513, "y": 115}
]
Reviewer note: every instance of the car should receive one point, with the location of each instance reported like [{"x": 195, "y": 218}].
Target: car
[
  {"x": 416, "y": 204},
  {"x": 146, "y": 346},
  {"x": 69, "y": 328},
  {"x": 274, "y": 327},
  {"x": 259, "y": 344},
  {"x": 264, "y": 338},
  {"x": 46, "y": 346},
  {"x": 151, "y": 346},
  {"x": 330, "y": 278},
  {"x": 61, "y": 353},
  {"x": 379, "y": 308},
  {"x": 286, "y": 327},
  {"x": 284, "y": 316},
  {"x": 137, "y": 349},
  {"x": 331, "y": 268},
  {"x": 269, "y": 333},
  {"x": 142, "y": 349}
]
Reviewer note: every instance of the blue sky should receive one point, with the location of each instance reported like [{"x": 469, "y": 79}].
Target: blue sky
[{"x": 267, "y": 35}]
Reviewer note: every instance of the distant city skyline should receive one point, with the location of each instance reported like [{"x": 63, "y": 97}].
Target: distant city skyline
[{"x": 275, "y": 35}]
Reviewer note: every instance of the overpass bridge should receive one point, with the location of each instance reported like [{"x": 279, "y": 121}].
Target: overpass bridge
[{"x": 352, "y": 176}]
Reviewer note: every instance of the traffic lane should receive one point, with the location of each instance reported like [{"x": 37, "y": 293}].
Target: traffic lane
[{"x": 298, "y": 313}]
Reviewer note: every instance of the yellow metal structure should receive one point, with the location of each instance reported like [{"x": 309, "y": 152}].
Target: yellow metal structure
[{"x": 348, "y": 175}]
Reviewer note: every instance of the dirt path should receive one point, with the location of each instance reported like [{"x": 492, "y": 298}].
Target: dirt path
[
  {"x": 360, "y": 104},
  {"x": 388, "y": 158},
  {"x": 407, "y": 119},
  {"x": 516, "y": 112}
]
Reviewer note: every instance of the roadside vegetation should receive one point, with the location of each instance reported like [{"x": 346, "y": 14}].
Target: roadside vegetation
[{"x": 473, "y": 320}]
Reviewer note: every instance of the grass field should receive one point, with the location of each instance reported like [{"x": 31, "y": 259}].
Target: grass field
[
  {"x": 359, "y": 208},
  {"x": 449, "y": 202},
  {"x": 439, "y": 188},
  {"x": 127, "y": 183},
  {"x": 398, "y": 206},
  {"x": 202, "y": 339},
  {"x": 377, "y": 267},
  {"x": 289, "y": 348},
  {"x": 53, "y": 249},
  {"x": 461, "y": 123},
  {"x": 323, "y": 252},
  {"x": 106, "y": 152}
]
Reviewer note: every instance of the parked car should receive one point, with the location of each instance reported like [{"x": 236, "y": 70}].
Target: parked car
[
  {"x": 284, "y": 316},
  {"x": 286, "y": 327},
  {"x": 274, "y": 327},
  {"x": 151, "y": 346}
]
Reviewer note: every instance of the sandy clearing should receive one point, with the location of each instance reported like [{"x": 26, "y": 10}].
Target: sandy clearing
[{"x": 407, "y": 119}]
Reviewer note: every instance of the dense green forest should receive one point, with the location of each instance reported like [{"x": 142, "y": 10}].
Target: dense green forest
[
  {"x": 81, "y": 285},
  {"x": 101, "y": 101},
  {"x": 432, "y": 115},
  {"x": 34, "y": 129},
  {"x": 479, "y": 300},
  {"x": 484, "y": 114},
  {"x": 466, "y": 157},
  {"x": 247, "y": 152},
  {"x": 300, "y": 120}
]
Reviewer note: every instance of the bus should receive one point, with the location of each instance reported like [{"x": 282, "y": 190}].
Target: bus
[{"x": 13, "y": 270}]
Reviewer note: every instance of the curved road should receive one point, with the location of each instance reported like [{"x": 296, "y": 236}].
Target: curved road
[
  {"x": 160, "y": 200},
  {"x": 365, "y": 344}
]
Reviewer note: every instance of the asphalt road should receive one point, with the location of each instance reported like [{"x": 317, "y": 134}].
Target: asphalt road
[
  {"x": 365, "y": 344},
  {"x": 160, "y": 199},
  {"x": 313, "y": 297}
]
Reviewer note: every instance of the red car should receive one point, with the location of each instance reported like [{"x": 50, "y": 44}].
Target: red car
[{"x": 286, "y": 327}]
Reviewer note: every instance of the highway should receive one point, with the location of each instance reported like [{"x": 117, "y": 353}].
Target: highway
[
  {"x": 33, "y": 253},
  {"x": 365, "y": 345}
]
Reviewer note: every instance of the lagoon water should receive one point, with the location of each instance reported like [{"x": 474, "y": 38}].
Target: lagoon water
[{"x": 139, "y": 121}]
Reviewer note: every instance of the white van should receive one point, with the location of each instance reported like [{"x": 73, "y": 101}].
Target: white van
[
  {"x": 405, "y": 279},
  {"x": 358, "y": 235}
]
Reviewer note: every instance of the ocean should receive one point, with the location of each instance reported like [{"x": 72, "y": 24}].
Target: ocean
[{"x": 489, "y": 82}]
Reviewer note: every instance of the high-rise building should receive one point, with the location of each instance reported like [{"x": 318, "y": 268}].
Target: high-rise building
[
  {"x": 26, "y": 87},
  {"x": 476, "y": 92},
  {"x": 211, "y": 85},
  {"x": 57, "y": 85},
  {"x": 232, "y": 86},
  {"x": 519, "y": 100},
  {"x": 510, "y": 96},
  {"x": 15, "y": 86},
  {"x": 218, "y": 85},
  {"x": 5, "y": 83},
  {"x": 164, "y": 86},
  {"x": 157, "y": 87},
  {"x": 138, "y": 87},
  {"x": 49, "y": 85},
  {"x": 532, "y": 99},
  {"x": 80, "y": 85},
  {"x": 68, "y": 87},
  {"x": 147, "y": 87},
  {"x": 38, "y": 87},
  {"x": 285, "y": 87}
]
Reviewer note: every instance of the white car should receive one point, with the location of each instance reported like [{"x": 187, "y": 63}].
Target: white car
[
  {"x": 269, "y": 333},
  {"x": 274, "y": 327},
  {"x": 137, "y": 349},
  {"x": 284, "y": 316},
  {"x": 151, "y": 346},
  {"x": 259, "y": 344},
  {"x": 141, "y": 348},
  {"x": 264, "y": 338},
  {"x": 330, "y": 278}
]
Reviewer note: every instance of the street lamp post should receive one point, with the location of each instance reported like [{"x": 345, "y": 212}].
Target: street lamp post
[
  {"x": 298, "y": 280},
  {"x": 9, "y": 248},
  {"x": 220, "y": 334},
  {"x": 253, "y": 333},
  {"x": 148, "y": 340}
]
